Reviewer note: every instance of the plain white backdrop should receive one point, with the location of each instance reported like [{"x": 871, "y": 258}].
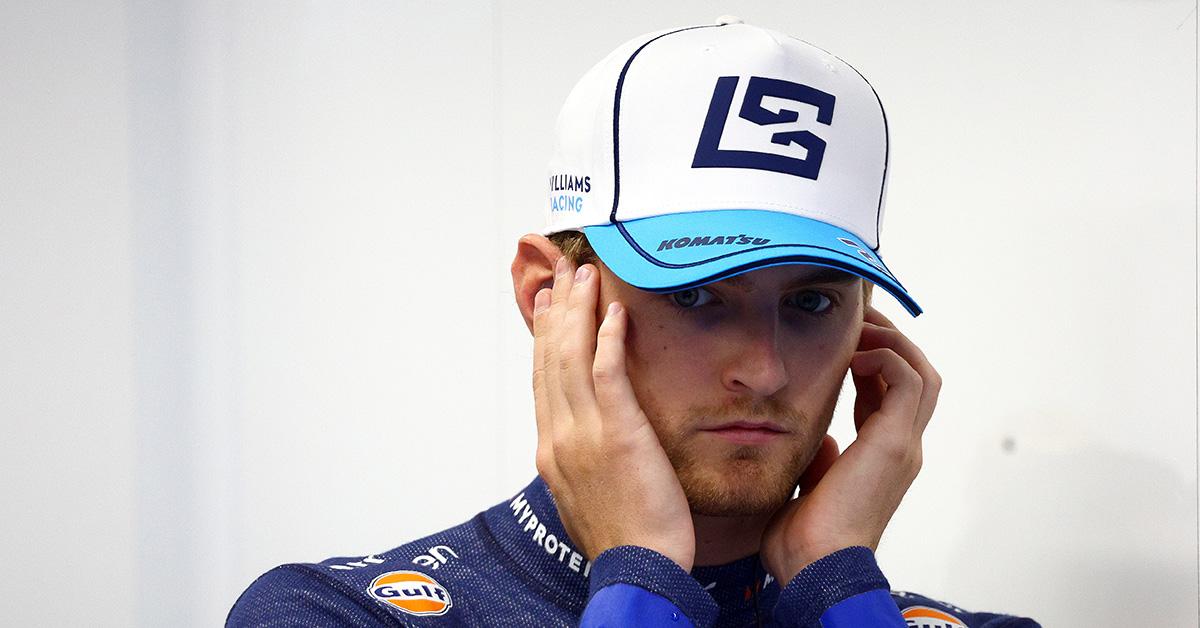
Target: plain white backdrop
[{"x": 255, "y": 306}]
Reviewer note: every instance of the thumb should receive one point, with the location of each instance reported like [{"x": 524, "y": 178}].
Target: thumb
[{"x": 826, "y": 455}]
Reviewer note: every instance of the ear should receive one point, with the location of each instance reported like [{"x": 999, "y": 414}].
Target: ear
[{"x": 532, "y": 270}]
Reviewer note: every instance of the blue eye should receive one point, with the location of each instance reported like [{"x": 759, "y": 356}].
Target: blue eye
[
  {"x": 811, "y": 302},
  {"x": 692, "y": 297}
]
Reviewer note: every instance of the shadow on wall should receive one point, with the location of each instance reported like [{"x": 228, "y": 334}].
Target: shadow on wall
[{"x": 1105, "y": 538}]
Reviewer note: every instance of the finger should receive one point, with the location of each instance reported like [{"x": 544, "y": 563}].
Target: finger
[
  {"x": 827, "y": 454},
  {"x": 869, "y": 391},
  {"x": 541, "y": 305},
  {"x": 578, "y": 349},
  {"x": 615, "y": 398},
  {"x": 558, "y": 406},
  {"x": 877, "y": 336},
  {"x": 541, "y": 396},
  {"x": 897, "y": 412},
  {"x": 872, "y": 315},
  {"x": 553, "y": 407},
  {"x": 564, "y": 274}
]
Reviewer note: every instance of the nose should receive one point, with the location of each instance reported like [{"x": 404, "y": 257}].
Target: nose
[{"x": 755, "y": 364}]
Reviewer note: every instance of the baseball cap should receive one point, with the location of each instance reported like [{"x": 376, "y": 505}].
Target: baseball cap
[{"x": 694, "y": 154}]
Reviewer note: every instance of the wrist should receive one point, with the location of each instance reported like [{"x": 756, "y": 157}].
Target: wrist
[
  {"x": 827, "y": 582},
  {"x": 684, "y": 557},
  {"x": 681, "y": 555},
  {"x": 792, "y": 561}
]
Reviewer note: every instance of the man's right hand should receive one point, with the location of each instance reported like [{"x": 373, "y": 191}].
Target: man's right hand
[{"x": 596, "y": 449}]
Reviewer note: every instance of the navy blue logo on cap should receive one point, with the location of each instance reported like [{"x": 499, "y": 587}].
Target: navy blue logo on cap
[{"x": 709, "y": 153}]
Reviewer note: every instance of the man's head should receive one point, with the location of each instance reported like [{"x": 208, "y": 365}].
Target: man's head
[
  {"x": 713, "y": 366},
  {"x": 729, "y": 180}
]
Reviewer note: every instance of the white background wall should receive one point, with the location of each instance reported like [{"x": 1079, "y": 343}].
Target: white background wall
[{"x": 255, "y": 308}]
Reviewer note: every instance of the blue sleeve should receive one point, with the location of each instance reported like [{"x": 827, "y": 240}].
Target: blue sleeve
[
  {"x": 842, "y": 590},
  {"x": 629, "y": 583}
]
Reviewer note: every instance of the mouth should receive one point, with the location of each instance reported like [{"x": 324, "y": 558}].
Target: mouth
[{"x": 747, "y": 432}]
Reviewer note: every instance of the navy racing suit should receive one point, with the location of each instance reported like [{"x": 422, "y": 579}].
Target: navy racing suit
[{"x": 513, "y": 565}]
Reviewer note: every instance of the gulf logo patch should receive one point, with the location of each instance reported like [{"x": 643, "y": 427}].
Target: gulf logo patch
[
  {"x": 926, "y": 617},
  {"x": 411, "y": 592}
]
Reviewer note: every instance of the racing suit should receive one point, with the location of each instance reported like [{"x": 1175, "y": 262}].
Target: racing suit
[{"x": 513, "y": 565}]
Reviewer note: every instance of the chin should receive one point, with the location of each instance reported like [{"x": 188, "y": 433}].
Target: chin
[
  {"x": 738, "y": 486},
  {"x": 725, "y": 480}
]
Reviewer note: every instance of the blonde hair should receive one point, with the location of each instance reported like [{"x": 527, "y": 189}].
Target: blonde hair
[{"x": 575, "y": 246}]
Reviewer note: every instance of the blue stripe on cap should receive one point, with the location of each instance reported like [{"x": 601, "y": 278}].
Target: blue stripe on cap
[{"x": 679, "y": 251}]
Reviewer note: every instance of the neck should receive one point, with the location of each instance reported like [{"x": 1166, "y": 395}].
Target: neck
[{"x": 721, "y": 540}]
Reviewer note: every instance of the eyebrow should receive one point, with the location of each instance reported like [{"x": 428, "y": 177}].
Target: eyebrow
[{"x": 823, "y": 275}]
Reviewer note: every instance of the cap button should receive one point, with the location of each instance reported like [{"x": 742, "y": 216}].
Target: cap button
[{"x": 729, "y": 19}]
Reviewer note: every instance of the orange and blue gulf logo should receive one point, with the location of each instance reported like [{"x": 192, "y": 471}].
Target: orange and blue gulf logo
[
  {"x": 926, "y": 617},
  {"x": 411, "y": 592}
]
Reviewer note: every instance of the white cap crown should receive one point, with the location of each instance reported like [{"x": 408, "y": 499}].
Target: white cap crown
[{"x": 720, "y": 117}]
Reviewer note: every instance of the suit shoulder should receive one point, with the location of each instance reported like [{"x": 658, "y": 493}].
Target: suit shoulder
[
  {"x": 464, "y": 545},
  {"x": 919, "y": 610},
  {"x": 295, "y": 595},
  {"x": 404, "y": 586}
]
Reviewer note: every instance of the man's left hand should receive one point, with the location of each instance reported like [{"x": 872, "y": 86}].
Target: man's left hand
[{"x": 847, "y": 500}]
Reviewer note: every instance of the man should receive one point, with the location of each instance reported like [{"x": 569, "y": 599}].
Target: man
[{"x": 698, "y": 296}]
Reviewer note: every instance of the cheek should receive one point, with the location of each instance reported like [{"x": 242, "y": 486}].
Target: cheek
[
  {"x": 650, "y": 348},
  {"x": 839, "y": 334},
  {"x": 838, "y": 348},
  {"x": 666, "y": 366},
  {"x": 822, "y": 360}
]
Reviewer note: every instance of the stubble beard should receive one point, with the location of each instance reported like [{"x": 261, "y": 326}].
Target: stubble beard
[{"x": 746, "y": 480}]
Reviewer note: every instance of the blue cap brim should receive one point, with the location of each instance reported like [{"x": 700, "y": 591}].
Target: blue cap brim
[{"x": 679, "y": 251}]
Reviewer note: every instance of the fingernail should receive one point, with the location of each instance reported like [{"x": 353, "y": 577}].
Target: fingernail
[
  {"x": 582, "y": 273},
  {"x": 541, "y": 301},
  {"x": 560, "y": 267},
  {"x": 614, "y": 308}
]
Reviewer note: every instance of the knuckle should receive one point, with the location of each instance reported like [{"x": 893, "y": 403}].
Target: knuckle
[
  {"x": 615, "y": 442},
  {"x": 897, "y": 452},
  {"x": 890, "y": 332},
  {"x": 606, "y": 331},
  {"x": 571, "y": 307},
  {"x": 912, "y": 473},
  {"x": 907, "y": 372},
  {"x": 562, "y": 441},
  {"x": 539, "y": 377},
  {"x": 544, "y": 462},
  {"x": 603, "y": 372},
  {"x": 568, "y": 357}
]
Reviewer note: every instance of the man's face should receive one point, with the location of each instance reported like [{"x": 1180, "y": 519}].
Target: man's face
[{"x": 740, "y": 378}]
